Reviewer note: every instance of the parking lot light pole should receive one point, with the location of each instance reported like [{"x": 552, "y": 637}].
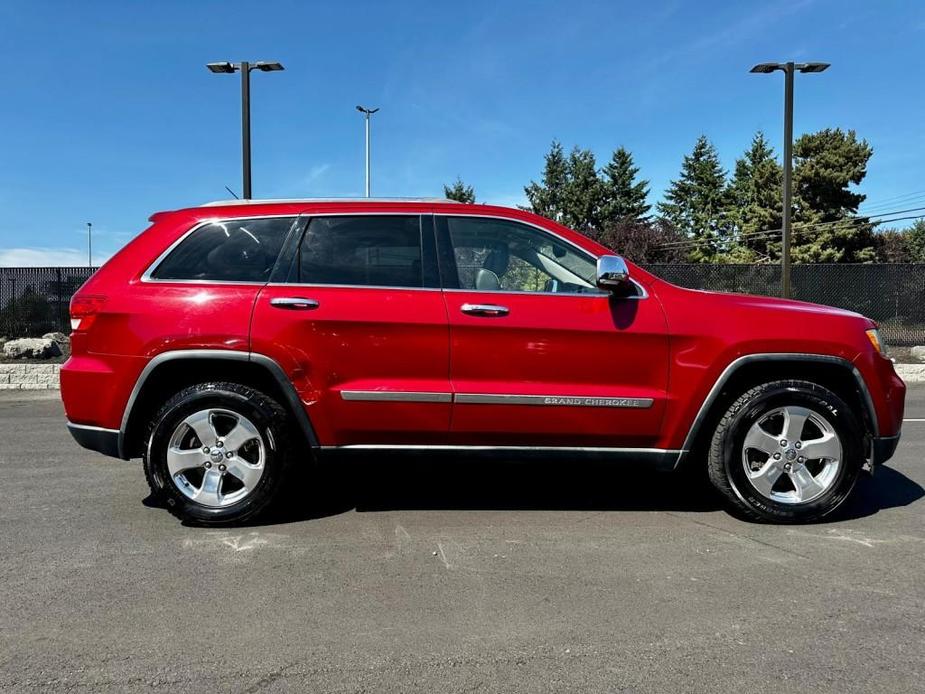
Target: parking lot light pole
[
  {"x": 245, "y": 69},
  {"x": 89, "y": 244},
  {"x": 788, "y": 69},
  {"x": 368, "y": 112}
]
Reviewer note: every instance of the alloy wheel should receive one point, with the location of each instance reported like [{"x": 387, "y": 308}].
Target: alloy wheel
[
  {"x": 216, "y": 457},
  {"x": 792, "y": 455}
]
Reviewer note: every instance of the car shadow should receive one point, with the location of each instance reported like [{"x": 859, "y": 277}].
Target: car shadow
[
  {"x": 887, "y": 488},
  {"x": 371, "y": 484}
]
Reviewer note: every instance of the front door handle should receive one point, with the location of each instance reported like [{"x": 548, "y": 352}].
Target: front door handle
[
  {"x": 294, "y": 303},
  {"x": 484, "y": 309}
]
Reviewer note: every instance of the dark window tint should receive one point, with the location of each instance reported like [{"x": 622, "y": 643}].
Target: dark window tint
[
  {"x": 365, "y": 250},
  {"x": 238, "y": 250},
  {"x": 500, "y": 255}
]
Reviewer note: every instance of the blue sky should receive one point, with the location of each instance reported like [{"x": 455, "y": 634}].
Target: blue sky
[{"x": 108, "y": 113}]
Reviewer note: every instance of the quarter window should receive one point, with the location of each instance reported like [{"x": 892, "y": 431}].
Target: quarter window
[
  {"x": 383, "y": 251},
  {"x": 234, "y": 250},
  {"x": 501, "y": 255}
]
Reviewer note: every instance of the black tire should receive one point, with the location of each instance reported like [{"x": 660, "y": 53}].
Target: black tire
[
  {"x": 266, "y": 415},
  {"x": 725, "y": 459}
]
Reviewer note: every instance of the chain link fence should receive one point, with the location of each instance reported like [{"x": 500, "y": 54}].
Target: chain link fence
[
  {"x": 891, "y": 294},
  {"x": 34, "y": 301}
]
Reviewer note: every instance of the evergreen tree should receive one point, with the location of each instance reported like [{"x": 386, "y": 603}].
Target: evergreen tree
[
  {"x": 755, "y": 201},
  {"x": 583, "y": 193},
  {"x": 826, "y": 226},
  {"x": 624, "y": 196},
  {"x": 697, "y": 203},
  {"x": 459, "y": 191},
  {"x": 547, "y": 198}
]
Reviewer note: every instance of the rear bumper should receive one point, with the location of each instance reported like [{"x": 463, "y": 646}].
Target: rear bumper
[
  {"x": 883, "y": 448},
  {"x": 105, "y": 441}
]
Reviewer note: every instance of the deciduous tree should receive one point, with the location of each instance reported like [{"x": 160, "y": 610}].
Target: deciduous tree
[{"x": 644, "y": 241}]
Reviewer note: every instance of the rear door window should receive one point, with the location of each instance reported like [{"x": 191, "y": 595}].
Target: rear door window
[
  {"x": 234, "y": 250},
  {"x": 362, "y": 250}
]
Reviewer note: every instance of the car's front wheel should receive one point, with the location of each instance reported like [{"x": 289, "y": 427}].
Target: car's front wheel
[
  {"x": 218, "y": 453},
  {"x": 786, "y": 452}
]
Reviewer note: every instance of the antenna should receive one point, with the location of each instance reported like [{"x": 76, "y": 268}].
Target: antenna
[{"x": 232, "y": 192}]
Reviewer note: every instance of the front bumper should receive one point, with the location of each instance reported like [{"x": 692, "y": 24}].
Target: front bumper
[
  {"x": 105, "y": 441},
  {"x": 883, "y": 448}
]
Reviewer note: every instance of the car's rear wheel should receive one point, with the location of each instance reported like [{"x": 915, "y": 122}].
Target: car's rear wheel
[
  {"x": 786, "y": 452},
  {"x": 218, "y": 453}
]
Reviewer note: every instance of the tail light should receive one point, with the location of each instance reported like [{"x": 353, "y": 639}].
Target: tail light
[{"x": 84, "y": 309}]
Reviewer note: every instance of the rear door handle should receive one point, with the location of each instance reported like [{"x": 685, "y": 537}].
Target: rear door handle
[
  {"x": 484, "y": 309},
  {"x": 294, "y": 303}
]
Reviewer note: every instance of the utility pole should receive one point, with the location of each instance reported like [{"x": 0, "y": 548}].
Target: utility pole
[
  {"x": 788, "y": 69},
  {"x": 368, "y": 113}
]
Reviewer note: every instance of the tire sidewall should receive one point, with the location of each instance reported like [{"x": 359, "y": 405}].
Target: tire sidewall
[
  {"x": 260, "y": 413},
  {"x": 824, "y": 403}
]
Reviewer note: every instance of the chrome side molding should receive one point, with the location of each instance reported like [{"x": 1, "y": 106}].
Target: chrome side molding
[
  {"x": 496, "y": 399},
  {"x": 395, "y": 396},
  {"x": 553, "y": 400}
]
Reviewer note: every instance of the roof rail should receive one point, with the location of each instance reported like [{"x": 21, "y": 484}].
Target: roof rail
[{"x": 218, "y": 203}]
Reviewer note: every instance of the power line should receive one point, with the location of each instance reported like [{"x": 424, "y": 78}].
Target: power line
[
  {"x": 894, "y": 200},
  {"x": 804, "y": 227}
]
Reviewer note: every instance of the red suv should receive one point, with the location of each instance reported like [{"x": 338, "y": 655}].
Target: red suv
[{"x": 230, "y": 342}]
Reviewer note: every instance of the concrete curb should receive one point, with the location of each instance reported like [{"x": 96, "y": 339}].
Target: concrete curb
[{"x": 45, "y": 376}]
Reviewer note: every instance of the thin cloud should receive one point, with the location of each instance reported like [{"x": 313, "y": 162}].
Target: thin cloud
[
  {"x": 48, "y": 257},
  {"x": 317, "y": 172}
]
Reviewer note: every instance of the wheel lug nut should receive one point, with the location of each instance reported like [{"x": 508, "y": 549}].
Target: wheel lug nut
[
  {"x": 205, "y": 449},
  {"x": 787, "y": 467},
  {"x": 783, "y": 442},
  {"x": 777, "y": 456},
  {"x": 801, "y": 459},
  {"x": 229, "y": 454},
  {"x": 798, "y": 444},
  {"x": 221, "y": 468},
  {"x": 208, "y": 465},
  {"x": 220, "y": 443}
]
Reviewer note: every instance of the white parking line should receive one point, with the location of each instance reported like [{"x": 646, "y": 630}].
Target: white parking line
[{"x": 914, "y": 420}]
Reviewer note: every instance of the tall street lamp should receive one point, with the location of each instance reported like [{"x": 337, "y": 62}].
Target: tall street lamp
[
  {"x": 245, "y": 69},
  {"x": 788, "y": 69},
  {"x": 368, "y": 112}
]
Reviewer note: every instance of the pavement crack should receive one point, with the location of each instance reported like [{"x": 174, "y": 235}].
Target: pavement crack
[
  {"x": 269, "y": 679},
  {"x": 737, "y": 536}
]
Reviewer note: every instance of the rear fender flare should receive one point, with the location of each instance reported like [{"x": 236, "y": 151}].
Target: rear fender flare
[{"x": 286, "y": 386}]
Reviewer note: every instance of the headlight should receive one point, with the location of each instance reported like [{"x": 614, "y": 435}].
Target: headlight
[{"x": 874, "y": 337}]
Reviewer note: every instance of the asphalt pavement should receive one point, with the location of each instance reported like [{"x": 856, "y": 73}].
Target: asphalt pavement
[{"x": 426, "y": 575}]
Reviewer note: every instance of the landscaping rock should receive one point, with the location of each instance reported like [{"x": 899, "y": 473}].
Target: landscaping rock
[
  {"x": 60, "y": 338},
  {"x": 31, "y": 348},
  {"x": 918, "y": 353}
]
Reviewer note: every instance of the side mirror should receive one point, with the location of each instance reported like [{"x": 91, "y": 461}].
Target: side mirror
[{"x": 612, "y": 272}]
